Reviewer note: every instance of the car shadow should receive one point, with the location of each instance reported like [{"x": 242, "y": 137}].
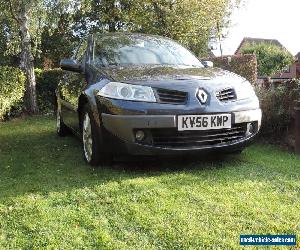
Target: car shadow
[
  {"x": 42, "y": 163},
  {"x": 171, "y": 164}
]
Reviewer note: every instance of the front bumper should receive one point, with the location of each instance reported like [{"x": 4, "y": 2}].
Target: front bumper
[{"x": 121, "y": 132}]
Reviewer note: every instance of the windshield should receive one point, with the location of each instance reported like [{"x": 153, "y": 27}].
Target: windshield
[{"x": 139, "y": 50}]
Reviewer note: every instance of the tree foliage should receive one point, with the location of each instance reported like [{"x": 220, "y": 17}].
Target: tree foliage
[
  {"x": 187, "y": 21},
  {"x": 20, "y": 12},
  {"x": 9, "y": 38},
  {"x": 39, "y": 33},
  {"x": 271, "y": 58},
  {"x": 12, "y": 86},
  {"x": 56, "y": 25}
]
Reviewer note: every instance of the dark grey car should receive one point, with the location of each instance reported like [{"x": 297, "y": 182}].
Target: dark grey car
[{"x": 147, "y": 95}]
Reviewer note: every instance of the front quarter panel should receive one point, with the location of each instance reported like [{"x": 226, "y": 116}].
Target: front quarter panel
[
  {"x": 69, "y": 90},
  {"x": 90, "y": 94}
]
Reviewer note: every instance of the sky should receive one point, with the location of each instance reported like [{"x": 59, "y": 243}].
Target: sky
[{"x": 274, "y": 19}]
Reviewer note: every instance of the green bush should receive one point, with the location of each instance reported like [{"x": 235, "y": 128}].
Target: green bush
[
  {"x": 12, "y": 88},
  {"x": 271, "y": 58},
  {"x": 47, "y": 81},
  {"x": 278, "y": 104}
]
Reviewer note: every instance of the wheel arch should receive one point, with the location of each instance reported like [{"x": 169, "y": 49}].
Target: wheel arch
[{"x": 85, "y": 99}]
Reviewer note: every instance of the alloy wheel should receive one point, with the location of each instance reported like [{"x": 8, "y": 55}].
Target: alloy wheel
[
  {"x": 87, "y": 137},
  {"x": 58, "y": 121}
]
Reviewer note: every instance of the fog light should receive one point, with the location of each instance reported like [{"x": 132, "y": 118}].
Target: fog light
[
  {"x": 250, "y": 129},
  {"x": 139, "y": 135}
]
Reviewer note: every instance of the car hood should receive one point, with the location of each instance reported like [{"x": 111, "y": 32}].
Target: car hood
[{"x": 174, "y": 77}]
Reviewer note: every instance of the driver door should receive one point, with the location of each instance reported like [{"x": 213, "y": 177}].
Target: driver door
[{"x": 70, "y": 90}]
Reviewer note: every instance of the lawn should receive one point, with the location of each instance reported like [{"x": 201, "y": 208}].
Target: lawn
[{"x": 49, "y": 198}]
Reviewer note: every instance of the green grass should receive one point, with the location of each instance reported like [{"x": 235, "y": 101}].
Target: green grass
[{"x": 49, "y": 198}]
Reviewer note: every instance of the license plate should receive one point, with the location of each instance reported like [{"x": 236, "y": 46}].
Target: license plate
[{"x": 204, "y": 122}]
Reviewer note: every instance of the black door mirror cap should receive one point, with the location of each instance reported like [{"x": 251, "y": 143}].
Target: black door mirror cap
[{"x": 70, "y": 65}]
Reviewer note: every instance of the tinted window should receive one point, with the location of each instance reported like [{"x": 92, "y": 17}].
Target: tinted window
[{"x": 140, "y": 50}]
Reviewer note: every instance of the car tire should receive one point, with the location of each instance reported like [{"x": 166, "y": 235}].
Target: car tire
[
  {"x": 91, "y": 143},
  {"x": 61, "y": 129}
]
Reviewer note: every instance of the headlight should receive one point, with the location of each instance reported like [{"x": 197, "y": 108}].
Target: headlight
[
  {"x": 129, "y": 92},
  {"x": 244, "y": 90}
]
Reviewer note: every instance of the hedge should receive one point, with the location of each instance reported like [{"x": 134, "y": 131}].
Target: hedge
[
  {"x": 12, "y": 89},
  {"x": 47, "y": 81},
  {"x": 278, "y": 103},
  {"x": 244, "y": 65}
]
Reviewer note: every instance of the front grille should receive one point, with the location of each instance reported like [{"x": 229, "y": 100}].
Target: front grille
[
  {"x": 180, "y": 139},
  {"x": 171, "y": 96},
  {"x": 226, "y": 95}
]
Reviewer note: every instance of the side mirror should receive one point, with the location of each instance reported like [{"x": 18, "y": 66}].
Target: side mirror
[
  {"x": 208, "y": 64},
  {"x": 70, "y": 65}
]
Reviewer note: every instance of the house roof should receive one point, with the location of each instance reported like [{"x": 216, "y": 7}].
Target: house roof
[{"x": 249, "y": 40}]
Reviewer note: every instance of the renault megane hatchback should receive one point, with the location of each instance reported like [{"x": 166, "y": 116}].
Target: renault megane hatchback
[{"x": 147, "y": 95}]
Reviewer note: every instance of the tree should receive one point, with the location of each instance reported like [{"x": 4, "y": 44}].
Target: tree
[
  {"x": 20, "y": 12},
  {"x": 7, "y": 49},
  {"x": 56, "y": 43},
  {"x": 187, "y": 21},
  {"x": 58, "y": 33},
  {"x": 271, "y": 58},
  {"x": 51, "y": 28},
  {"x": 27, "y": 19}
]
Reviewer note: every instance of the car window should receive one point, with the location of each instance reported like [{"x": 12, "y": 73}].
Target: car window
[{"x": 141, "y": 50}]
